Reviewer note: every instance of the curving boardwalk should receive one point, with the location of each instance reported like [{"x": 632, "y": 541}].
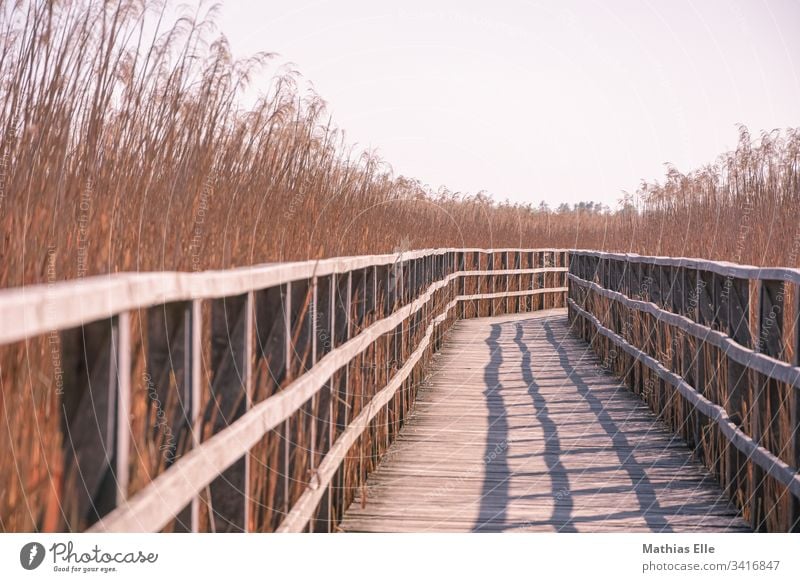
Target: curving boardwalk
[{"x": 518, "y": 428}]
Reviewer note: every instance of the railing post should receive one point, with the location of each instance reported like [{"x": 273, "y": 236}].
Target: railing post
[
  {"x": 192, "y": 360},
  {"x": 287, "y": 427},
  {"x": 507, "y": 267},
  {"x": 314, "y": 408},
  {"x": 794, "y": 404},
  {"x": 332, "y": 401},
  {"x": 122, "y": 346},
  {"x": 247, "y": 380}
]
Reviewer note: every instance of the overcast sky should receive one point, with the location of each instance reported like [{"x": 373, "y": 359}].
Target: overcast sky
[{"x": 556, "y": 101}]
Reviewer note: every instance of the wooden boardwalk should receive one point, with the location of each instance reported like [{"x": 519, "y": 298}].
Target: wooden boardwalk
[{"x": 519, "y": 429}]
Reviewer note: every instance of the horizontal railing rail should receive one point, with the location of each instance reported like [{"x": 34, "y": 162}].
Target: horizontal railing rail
[
  {"x": 253, "y": 399},
  {"x": 713, "y": 348}
]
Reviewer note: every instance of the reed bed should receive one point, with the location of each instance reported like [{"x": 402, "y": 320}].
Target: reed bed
[{"x": 124, "y": 146}]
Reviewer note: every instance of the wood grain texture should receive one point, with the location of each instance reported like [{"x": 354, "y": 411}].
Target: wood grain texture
[
  {"x": 724, "y": 268},
  {"x": 520, "y": 428},
  {"x": 762, "y": 362}
]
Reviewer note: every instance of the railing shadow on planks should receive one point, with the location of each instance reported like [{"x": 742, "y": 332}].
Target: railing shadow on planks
[
  {"x": 712, "y": 347},
  {"x": 253, "y": 399}
]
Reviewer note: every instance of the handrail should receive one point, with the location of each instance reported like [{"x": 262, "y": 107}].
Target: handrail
[
  {"x": 762, "y": 363},
  {"x": 712, "y": 339},
  {"x": 31, "y": 310},
  {"x": 314, "y": 326},
  {"x": 154, "y": 506},
  {"x": 723, "y": 268}
]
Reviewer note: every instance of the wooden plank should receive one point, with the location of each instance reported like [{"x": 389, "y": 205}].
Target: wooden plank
[
  {"x": 770, "y": 316},
  {"x": 247, "y": 380}
]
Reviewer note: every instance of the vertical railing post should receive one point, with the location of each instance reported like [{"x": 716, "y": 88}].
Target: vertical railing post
[
  {"x": 193, "y": 356},
  {"x": 287, "y": 349},
  {"x": 314, "y": 408},
  {"x": 122, "y": 345},
  {"x": 794, "y": 414},
  {"x": 755, "y": 474},
  {"x": 332, "y": 401},
  {"x": 247, "y": 380},
  {"x": 507, "y": 267}
]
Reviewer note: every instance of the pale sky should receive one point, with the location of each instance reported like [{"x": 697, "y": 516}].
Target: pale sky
[{"x": 559, "y": 100}]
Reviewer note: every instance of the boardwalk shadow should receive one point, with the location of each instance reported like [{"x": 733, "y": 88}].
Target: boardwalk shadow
[
  {"x": 649, "y": 507},
  {"x": 559, "y": 480},
  {"x": 495, "y": 499},
  {"x": 494, "y": 492}
]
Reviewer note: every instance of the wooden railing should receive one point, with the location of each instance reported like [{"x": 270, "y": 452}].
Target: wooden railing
[
  {"x": 713, "y": 349},
  {"x": 252, "y": 399}
]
